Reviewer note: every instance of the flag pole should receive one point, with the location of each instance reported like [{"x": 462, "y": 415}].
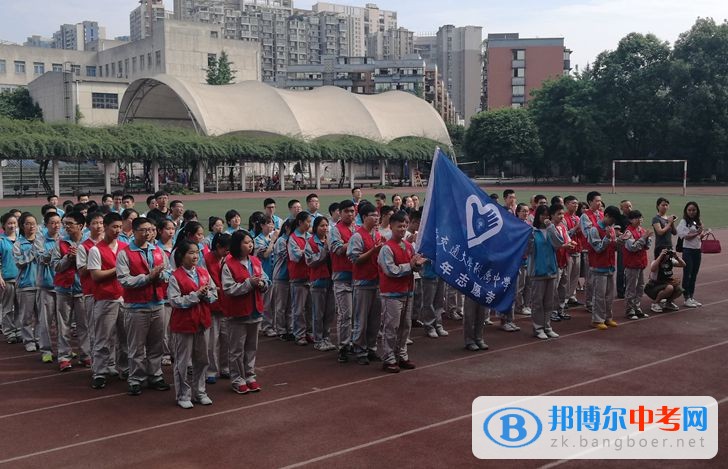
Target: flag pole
[{"x": 428, "y": 196}]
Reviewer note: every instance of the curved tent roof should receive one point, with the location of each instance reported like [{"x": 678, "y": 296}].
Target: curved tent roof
[{"x": 252, "y": 106}]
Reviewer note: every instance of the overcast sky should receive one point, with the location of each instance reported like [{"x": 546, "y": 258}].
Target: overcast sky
[{"x": 589, "y": 26}]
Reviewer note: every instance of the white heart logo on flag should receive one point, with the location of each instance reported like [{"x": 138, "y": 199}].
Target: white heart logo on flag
[{"x": 483, "y": 224}]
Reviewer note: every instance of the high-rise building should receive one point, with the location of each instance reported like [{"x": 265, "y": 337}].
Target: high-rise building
[
  {"x": 457, "y": 53},
  {"x": 75, "y": 36},
  {"x": 142, "y": 17},
  {"x": 362, "y": 21},
  {"x": 393, "y": 44},
  {"x": 516, "y": 66},
  {"x": 39, "y": 41}
]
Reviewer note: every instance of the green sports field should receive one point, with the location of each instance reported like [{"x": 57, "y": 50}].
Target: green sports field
[{"x": 713, "y": 207}]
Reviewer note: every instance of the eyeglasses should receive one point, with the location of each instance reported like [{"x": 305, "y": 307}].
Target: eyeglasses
[{"x": 146, "y": 230}]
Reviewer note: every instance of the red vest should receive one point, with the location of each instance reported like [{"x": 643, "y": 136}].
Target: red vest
[
  {"x": 214, "y": 267},
  {"x": 109, "y": 289},
  {"x": 87, "y": 283},
  {"x": 562, "y": 255},
  {"x": 242, "y": 305},
  {"x": 297, "y": 270},
  {"x": 606, "y": 258},
  {"x": 367, "y": 270},
  {"x": 322, "y": 271},
  {"x": 634, "y": 260},
  {"x": 189, "y": 320},
  {"x": 65, "y": 279},
  {"x": 404, "y": 284},
  {"x": 571, "y": 222},
  {"x": 154, "y": 291},
  {"x": 341, "y": 263}
]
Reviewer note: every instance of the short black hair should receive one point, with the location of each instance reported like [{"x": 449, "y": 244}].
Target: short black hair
[
  {"x": 508, "y": 192},
  {"x": 112, "y": 217},
  {"x": 268, "y": 201},
  {"x": 220, "y": 240},
  {"x": 538, "y": 197},
  {"x": 634, "y": 214},
  {"x": 159, "y": 194},
  {"x": 76, "y": 217},
  {"x": 150, "y": 199},
  {"x": 128, "y": 197},
  {"x": 118, "y": 193},
  {"x": 46, "y": 208},
  {"x": 48, "y": 216},
  {"x": 230, "y": 214},
  {"x": 344, "y": 204},
  {"x": 355, "y": 188},
  {"x": 555, "y": 208},
  {"x": 180, "y": 251},
  {"x": 91, "y": 216},
  {"x": 175, "y": 203},
  {"x": 311, "y": 196},
  {"x": 236, "y": 240},
  {"x": 189, "y": 215},
  {"x": 380, "y": 195},
  {"x": 612, "y": 212},
  {"x": 540, "y": 210},
  {"x": 318, "y": 222},
  {"x": 211, "y": 222},
  {"x": 366, "y": 209},
  {"x": 141, "y": 221},
  {"x": 590, "y": 196},
  {"x": 569, "y": 198},
  {"x": 400, "y": 216},
  {"x": 106, "y": 196},
  {"x": 660, "y": 200},
  {"x": 333, "y": 207},
  {"x": 293, "y": 202},
  {"x": 80, "y": 207},
  {"x": 556, "y": 200},
  {"x": 127, "y": 213},
  {"x": 385, "y": 210},
  {"x": 51, "y": 196}
]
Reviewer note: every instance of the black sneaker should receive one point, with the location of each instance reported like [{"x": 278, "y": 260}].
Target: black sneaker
[
  {"x": 373, "y": 357},
  {"x": 555, "y": 316},
  {"x": 564, "y": 315},
  {"x": 343, "y": 356},
  {"x": 362, "y": 360},
  {"x": 632, "y": 316},
  {"x": 417, "y": 323},
  {"x": 99, "y": 382},
  {"x": 159, "y": 385},
  {"x": 124, "y": 375},
  {"x": 134, "y": 389}
]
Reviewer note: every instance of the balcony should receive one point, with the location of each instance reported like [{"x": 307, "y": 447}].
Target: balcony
[
  {"x": 518, "y": 81},
  {"x": 518, "y": 64}
]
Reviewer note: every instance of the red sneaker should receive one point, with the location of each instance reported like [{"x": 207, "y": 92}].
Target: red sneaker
[
  {"x": 241, "y": 389},
  {"x": 86, "y": 363},
  {"x": 64, "y": 365},
  {"x": 254, "y": 386}
]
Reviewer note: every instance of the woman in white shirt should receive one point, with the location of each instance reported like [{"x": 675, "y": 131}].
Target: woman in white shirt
[{"x": 691, "y": 231}]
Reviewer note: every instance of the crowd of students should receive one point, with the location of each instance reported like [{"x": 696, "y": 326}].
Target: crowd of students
[{"x": 143, "y": 290}]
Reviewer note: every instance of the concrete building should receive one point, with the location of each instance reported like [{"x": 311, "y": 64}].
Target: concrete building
[
  {"x": 19, "y": 65},
  {"x": 361, "y": 22},
  {"x": 75, "y": 36},
  {"x": 392, "y": 44},
  {"x": 436, "y": 94},
  {"x": 142, "y": 17},
  {"x": 39, "y": 41},
  {"x": 516, "y": 66}
]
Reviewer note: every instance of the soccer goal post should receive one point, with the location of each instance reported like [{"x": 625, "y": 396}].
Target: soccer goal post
[{"x": 685, "y": 171}]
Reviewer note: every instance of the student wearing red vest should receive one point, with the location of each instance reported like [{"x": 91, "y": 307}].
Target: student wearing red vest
[
  {"x": 396, "y": 263},
  {"x": 298, "y": 275},
  {"x": 634, "y": 259},
  {"x": 556, "y": 214},
  {"x": 108, "y": 322},
  {"x": 243, "y": 285},
  {"x": 341, "y": 276},
  {"x": 603, "y": 243},
  {"x": 69, "y": 297},
  {"x": 589, "y": 218},
  {"x": 218, "y": 345},
  {"x": 363, "y": 250},
  {"x": 191, "y": 290},
  {"x": 142, "y": 269},
  {"x": 85, "y": 327},
  {"x": 319, "y": 274},
  {"x": 574, "y": 266}
]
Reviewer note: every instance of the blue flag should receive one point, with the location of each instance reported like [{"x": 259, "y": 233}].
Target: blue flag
[{"x": 474, "y": 244}]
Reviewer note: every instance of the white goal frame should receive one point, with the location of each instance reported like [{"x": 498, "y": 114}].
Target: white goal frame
[{"x": 685, "y": 171}]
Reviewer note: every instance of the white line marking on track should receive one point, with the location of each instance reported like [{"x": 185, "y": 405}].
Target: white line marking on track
[
  {"x": 57, "y": 406},
  {"x": 467, "y": 416},
  {"x": 19, "y": 356},
  {"x": 365, "y": 380}
]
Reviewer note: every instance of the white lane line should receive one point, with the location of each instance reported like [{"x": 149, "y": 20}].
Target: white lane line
[
  {"x": 468, "y": 416},
  {"x": 58, "y": 406}
]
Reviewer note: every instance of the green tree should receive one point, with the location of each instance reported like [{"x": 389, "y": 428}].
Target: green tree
[
  {"x": 569, "y": 126},
  {"x": 631, "y": 89},
  {"x": 219, "y": 71},
  {"x": 457, "y": 137},
  {"x": 495, "y": 137},
  {"x": 699, "y": 76},
  {"x": 17, "y": 104}
]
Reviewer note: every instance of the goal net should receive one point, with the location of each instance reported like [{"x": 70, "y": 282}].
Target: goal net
[{"x": 650, "y": 172}]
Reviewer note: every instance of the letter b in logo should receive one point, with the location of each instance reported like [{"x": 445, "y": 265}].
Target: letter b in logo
[{"x": 512, "y": 427}]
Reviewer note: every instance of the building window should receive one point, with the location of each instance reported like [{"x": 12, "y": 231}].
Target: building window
[
  {"x": 76, "y": 69},
  {"x": 149, "y": 60},
  {"x": 158, "y": 58},
  {"x": 113, "y": 69},
  {"x": 57, "y": 67},
  {"x": 121, "y": 68},
  {"x": 2, "y": 66},
  {"x": 107, "y": 70},
  {"x": 519, "y": 90},
  {"x": 101, "y": 70},
  {"x": 519, "y": 72},
  {"x": 211, "y": 59},
  {"x": 19, "y": 67},
  {"x": 519, "y": 54},
  {"x": 90, "y": 71},
  {"x": 141, "y": 63},
  {"x": 213, "y": 34},
  {"x": 133, "y": 64},
  {"x": 126, "y": 68},
  {"x": 104, "y": 100}
]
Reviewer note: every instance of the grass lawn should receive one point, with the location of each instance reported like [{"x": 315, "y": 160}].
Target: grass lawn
[{"x": 712, "y": 206}]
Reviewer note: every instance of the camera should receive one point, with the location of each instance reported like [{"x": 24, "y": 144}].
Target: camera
[{"x": 670, "y": 253}]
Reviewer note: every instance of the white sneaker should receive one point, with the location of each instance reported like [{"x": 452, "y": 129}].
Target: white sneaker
[
  {"x": 551, "y": 334},
  {"x": 697, "y": 303},
  {"x": 204, "y": 399},
  {"x": 431, "y": 333},
  {"x": 30, "y": 347},
  {"x": 690, "y": 303},
  {"x": 655, "y": 308},
  {"x": 441, "y": 331},
  {"x": 409, "y": 341},
  {"x": 526, "y": 311},
  {"x": 186, "y": 404},
  {"x": 540, "y": 334}
]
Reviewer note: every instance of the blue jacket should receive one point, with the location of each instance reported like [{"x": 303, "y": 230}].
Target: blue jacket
[
  {"x": 9, "y": 269},
  {"x": 24, "y": 255},
  {"x": 44, "y": 249}
]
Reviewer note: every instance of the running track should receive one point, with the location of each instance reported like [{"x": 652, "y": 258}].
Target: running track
[{"x": 316, "y": 412}]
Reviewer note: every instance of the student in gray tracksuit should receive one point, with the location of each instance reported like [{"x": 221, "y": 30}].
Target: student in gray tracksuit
[{"x": 341, "y": 275}]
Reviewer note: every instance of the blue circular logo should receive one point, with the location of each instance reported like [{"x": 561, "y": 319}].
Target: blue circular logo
[{"x": 514, "y": 427}]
